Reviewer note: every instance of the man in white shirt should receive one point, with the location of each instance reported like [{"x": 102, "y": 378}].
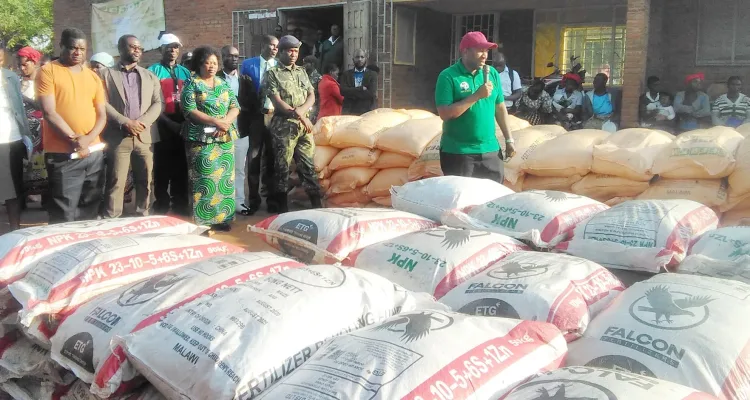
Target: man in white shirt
[
  {"x": 509, "y": 79},
  {"x": 13, "y": 127}
]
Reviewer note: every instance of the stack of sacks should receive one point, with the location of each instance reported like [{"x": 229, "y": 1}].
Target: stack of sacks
[
  {"x": 367, "y": 156},
  {"x": 744, "y": 129},
  {"x": 622, "y": 164},
  {"x": 737, "y": 206},
  {"x": 559, "y": 163},
  {"x": 692, "y": 166},
  {"x": 736, "y": 211},
  {"x": 526, "y": 141}
]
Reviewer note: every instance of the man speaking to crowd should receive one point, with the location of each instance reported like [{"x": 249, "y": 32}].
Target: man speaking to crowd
[{"x": 470, "y": 99}]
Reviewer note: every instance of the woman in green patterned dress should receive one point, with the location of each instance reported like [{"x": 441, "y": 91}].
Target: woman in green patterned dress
[{"x": 210, "y": 110}]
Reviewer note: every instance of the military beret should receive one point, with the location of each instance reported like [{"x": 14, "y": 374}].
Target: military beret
[{"x": 289, "y": 42}]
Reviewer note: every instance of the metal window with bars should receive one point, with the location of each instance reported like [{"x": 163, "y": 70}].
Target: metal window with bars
[
  {"x": 462, "y": 24},
  {"x": 600, "y": 48}
]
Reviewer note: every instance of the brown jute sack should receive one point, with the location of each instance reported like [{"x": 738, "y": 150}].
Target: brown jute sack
[
  {"x": 565, "y": 155},
  {"x": 562, "y": 184},
  {"x": 347, "y": 179},
  {"x": 325, "y": 126},
  {"x": 428, "y": 163},
  {"x": 323, "y": 156},
  {"x": 699, "y": 154},
  {"x": 354, "y": 157},
  {"x": 389, "y": 159},
  {"x": 709, "y": 192},
  {"x": 605, "y": 187},
  {"x": 630, "y": 153},
  {"x": 411, "y": 137},
  {"x": 380, "y": 185},
  {"x": 365, "y": 131}
]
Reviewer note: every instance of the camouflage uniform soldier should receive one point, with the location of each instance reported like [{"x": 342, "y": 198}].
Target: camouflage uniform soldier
[{"x": 292, "y": 96}]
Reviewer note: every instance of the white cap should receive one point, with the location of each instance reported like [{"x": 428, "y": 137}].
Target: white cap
[
  {"x": 168, "y": 38},
  {"x": 103, "y": 59}
]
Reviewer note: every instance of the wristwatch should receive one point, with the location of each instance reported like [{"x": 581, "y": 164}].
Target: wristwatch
[{"x": 510, "y": 141}]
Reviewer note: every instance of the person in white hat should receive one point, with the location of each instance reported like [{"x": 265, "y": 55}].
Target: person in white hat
[
  {"x": 170, "y": 162},
  {"x": 100, "y": 61}
]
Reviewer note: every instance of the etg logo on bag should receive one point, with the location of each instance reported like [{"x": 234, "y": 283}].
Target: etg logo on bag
[{"x": 662, "y": 308}]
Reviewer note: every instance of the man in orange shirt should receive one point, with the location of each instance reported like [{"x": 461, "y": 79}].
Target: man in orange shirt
[{"x": 73, "y": 102}]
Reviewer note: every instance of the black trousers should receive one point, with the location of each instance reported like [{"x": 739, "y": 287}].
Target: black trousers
[
  {"x": 75, "y": 187},
  {"x": 260, "y": 167},
  {"x": 483, "y": 165},
  {"x": 170, "y": 173}
]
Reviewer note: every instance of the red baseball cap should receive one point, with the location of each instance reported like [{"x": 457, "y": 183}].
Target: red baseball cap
[{"x": 476, "y": 40}]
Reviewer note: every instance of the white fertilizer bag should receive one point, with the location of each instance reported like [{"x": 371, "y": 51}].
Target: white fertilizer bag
[
  {"x": 19, "y": 249},
  {"x": 82, "y": 341},
  {"x": 542, "y": 217},
  {"x": 330, "y": 234},
  {"x": 562, "y": 290},
  {"x": 434, "y": 261},
  {"x": 599, "y": 383},
  {"x": 426, "y": 354},
  {"x": 644, "y": 235},
  {"x": 31, "y": 388},
  {"x": 237, "y": 342},
  {"x": 64, "y": 280},
  {"x": 80, "y": 391},
  {"x": 721, "y": 253},
  {"x": 432, "y": 197},
  {"x": 690, "y": 330},
  {"x": 20, "y": 357}
]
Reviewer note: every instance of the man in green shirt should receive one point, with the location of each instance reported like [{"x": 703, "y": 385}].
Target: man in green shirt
[{"x": 469, "y": 107}]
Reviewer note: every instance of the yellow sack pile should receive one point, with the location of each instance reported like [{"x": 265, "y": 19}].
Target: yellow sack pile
[
  {"x": 630, "y": 153},
  {"x": 744, "y": 129},
  {"x": 736, "y": 209},
  {"x": 364, "y": 156},
  {"x": 526, "y": 141},
  {"x": 364, "y": 132},
  {"x": 427, "y": 165},
  {"x": 699, "y": 154},
  {"x": 411, "y": 137},
  {"x": 605, "y": 188},
  {"x": 739, "y": 180},
  {"x": 325, "y": 126},
  {"x": 559, "y": 183},
  {"x": 709, "y": 192},
  {"x": 565, "y": 155}
]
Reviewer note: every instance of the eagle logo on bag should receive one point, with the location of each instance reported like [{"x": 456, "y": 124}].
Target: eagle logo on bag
[
  {"x": 148, "y": 289},
  {"x": 620, "y": 363},
  {"x": 556, "y": 390},
  {"x": 555, "y": 196},
  {"x": 416, "y": 326},
  {"x": 455, "y": 238},
  {"x": 516, "y": 270},
  {"x": 664, "y": 309}
]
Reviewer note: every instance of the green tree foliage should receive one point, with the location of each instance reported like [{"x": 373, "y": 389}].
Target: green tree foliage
[{"x": 26, "y": 23}]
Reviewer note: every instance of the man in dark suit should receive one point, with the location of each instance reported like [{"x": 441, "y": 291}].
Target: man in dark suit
[
  {"x": 133, "y": 106},
  {"x": 359, "y": 86}
]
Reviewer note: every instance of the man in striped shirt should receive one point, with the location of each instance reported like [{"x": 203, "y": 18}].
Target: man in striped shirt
[{"x": 731, "y": 109}]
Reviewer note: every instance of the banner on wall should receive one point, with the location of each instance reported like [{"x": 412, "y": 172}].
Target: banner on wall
[{"x": 111, "y": 20}]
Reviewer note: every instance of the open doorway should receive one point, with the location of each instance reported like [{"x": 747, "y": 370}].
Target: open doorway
[{"x": 311, "y": 20}]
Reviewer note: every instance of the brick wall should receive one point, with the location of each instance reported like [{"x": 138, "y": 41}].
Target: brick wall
[
  {"x": 636, "y": 56},
  {"x": 195, "y": 23},
  {"x": 678, "y": 47},
  {"x": 414, "y": 86}
]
